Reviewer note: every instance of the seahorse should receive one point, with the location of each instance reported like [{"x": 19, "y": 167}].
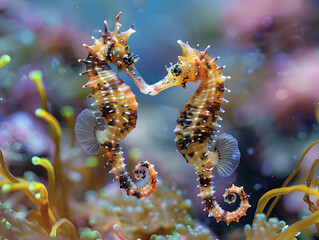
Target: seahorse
[
  {"x": 115, "y": 107},
  {"x": 196, "y": 126}
]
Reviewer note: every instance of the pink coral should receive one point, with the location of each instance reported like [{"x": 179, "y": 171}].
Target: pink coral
[{"x": 245, "y": 16}]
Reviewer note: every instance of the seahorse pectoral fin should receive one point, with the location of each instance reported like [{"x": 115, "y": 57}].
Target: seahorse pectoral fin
[
  {"x": 136, "y": 77},
  {"x": 227, "y": 154},
  {"x": 85, "y": 130}
]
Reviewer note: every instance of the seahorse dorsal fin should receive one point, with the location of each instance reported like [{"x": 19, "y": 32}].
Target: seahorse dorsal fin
[
  {"x": 85, "y": 130},
  {"x": 228, "y": 154}
]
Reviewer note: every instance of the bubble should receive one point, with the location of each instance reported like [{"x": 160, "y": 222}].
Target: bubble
[
  {"x": 250, "y": 71},
  {"x": 55, "y": 63},
  {"x": 250, "y": 151}
]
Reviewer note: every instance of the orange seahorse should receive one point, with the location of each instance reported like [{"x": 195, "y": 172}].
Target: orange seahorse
[
  {"x": 196, "y": 126},
  {"x": 115, "y": 107}
]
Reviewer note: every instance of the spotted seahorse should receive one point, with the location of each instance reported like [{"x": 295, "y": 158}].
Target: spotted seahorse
[
  {"x": 115, "y": 107},
  {"x": 196, "y": 126}
]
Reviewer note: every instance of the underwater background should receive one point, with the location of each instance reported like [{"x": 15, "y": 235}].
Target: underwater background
[{"x": 271, "y": 51}]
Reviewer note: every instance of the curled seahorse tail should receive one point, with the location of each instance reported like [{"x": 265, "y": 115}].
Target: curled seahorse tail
[
  {"x": 116, "y": 161},
  {"x": 140, "y": 173},
  {"x": 230, "y": 197},
  {"x": 207, "y": 194}
]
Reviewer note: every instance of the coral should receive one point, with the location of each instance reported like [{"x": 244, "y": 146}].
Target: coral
[
  {"x": 262, "y": 229},
  {"x": 300, "y": 225},
  {"x": 51, "y": 205},
  {"x": 271, "y": 25},
  {"x": 14, "y": 226},
  {"x": 309, "y": 179},
  {"x": 164, "y": 212},
  {"x": 36, "y": 77}
]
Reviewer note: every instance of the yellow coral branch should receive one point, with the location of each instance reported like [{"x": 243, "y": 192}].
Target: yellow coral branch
[
  {"x": 315, "y": 183},
  {"x": 51, "y": 120},
  {"x": 59, "y": 223},
  {"x": 36, "y": 77},
  {"x": 306, "y": 198},
  {"x": 62, "y": 205},
  {"x": 4, "y": 60},
  {"x": 290, "y": 177},
  {"x": 6, "y": 186},
  {"x": 56, "y": 134},
  {"x": 35, "y": 215},
  {"x": 40, "y": 198},
  {"x": 4, "y": 172},
  {"x": 317, "y": 113},
  {"x": 280, "y": 191},
  {"x": 51, "y": 177},
  {"x": 299, "y": 226}
]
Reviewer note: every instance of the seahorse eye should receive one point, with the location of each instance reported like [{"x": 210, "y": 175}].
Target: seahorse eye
[
  {"x": 128, "y": 59},
  {"x": 176, "y": 70}
]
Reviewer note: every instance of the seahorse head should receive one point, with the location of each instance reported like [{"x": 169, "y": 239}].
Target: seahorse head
[
  {"x": 191, "y": 66},
  {"x": 112, "y": 47}
]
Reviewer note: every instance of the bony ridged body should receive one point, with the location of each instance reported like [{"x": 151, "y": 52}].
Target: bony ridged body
[
  {"x": 116, "y": 107},
  {"x": 197, "y": 123}
]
